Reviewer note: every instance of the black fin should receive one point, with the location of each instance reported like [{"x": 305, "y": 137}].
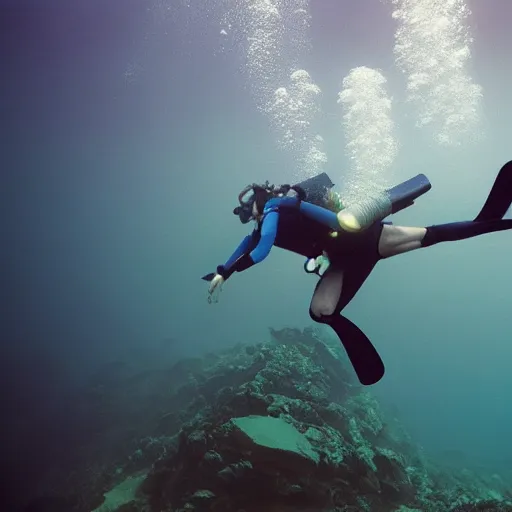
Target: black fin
[
  {"x": 364, "y": 357},
  {"x": 500, "y": 196},
  {"x": 208, "y": 277}
]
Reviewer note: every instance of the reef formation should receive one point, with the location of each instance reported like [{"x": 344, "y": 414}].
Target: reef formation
[{"x": 280, "y": 426}]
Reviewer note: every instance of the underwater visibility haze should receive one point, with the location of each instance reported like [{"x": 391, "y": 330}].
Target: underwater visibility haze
[{"x": 129, "y": 129}]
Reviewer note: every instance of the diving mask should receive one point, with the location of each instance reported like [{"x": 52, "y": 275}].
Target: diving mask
[{"x": 246, "y": 198}]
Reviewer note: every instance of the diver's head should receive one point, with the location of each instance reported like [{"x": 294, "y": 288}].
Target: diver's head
[
  {"x": 253, "y": 198},
  {"x": 252, "y": 201}
]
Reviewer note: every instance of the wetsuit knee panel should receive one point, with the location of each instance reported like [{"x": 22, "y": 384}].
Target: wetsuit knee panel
[
  {"x": 315, "y": 317},
  {"x": 319, "y": 317}
]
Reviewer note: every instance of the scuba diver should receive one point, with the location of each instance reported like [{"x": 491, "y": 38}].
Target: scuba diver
[{"x": 343, "y": 245}]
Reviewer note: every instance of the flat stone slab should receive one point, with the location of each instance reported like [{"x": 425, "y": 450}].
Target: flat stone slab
[{"x": 274, "y": 440}]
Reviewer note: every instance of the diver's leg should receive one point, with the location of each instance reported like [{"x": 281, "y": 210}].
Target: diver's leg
[
  {"x": 333, "y": 292},
  {"x": 336, "y": 288},
  {"x": 327, "y": 293},
  {"x": 398, "y": 239},
  {"x": 462, "y": 230}
]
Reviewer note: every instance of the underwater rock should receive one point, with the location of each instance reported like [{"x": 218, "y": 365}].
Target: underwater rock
[
  {"x": 212, "y": 459},
  {"x": 289, "y": 336},
  {"x": 329, "y": 444},
  {"x": 235, "y": 471},
  {"x": 273, "y": 441},
  {"x": 202, "y": 500},
  {"x": 275, "y": 427},
  {"x": 484, "y": 506},
  {"x": 197, "y": 443},
  {"x": 122, "y": 494},
  {"x": 300, "y": 410}
]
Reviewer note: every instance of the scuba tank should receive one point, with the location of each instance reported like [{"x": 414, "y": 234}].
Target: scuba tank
[
  {"x": 318, "y": 191},
  {"x": 316, "y": 188},
  {"x": 320, "y": 203}
]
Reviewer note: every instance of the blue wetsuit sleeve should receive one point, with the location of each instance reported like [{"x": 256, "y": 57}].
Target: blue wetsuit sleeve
[
  {"x": 312, "y": 211},
  {"x": 259, "y": 253},
  {"x": 268, "y": 237},
  {"x": 322, "y": 215},
  {"x": 245, "y": 246}
]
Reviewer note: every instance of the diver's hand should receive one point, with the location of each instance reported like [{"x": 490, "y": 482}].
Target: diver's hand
[{"x": 215, "y": 288}]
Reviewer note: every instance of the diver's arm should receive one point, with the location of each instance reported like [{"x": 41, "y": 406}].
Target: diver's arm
[
  {"x": 259, "y": 253},
  {"x": 312, "y": 211},
  {"x": 245, "y": 246}
]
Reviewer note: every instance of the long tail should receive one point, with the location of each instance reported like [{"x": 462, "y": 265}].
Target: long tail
[{"x": 500, "y": 196}]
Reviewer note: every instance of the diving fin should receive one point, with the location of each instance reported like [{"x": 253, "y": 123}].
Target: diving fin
[
  {"x": 208, "y": 277},
  {"x": 363, "y": 355},
  {"x": 499, "y": 198}
]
